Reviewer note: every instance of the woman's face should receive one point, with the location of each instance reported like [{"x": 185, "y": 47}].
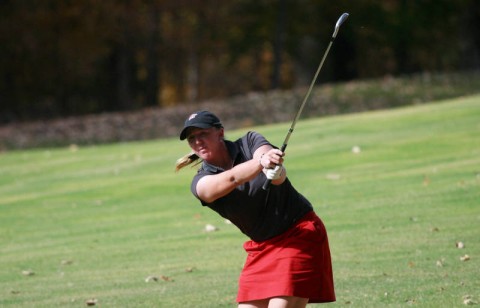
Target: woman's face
[{"x": 205, "y": 142}]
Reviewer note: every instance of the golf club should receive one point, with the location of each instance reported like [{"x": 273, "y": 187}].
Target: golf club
[{"x": 340, "y": 21}]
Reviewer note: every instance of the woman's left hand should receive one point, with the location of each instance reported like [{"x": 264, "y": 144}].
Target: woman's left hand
[{"x": 272, "y": 158}]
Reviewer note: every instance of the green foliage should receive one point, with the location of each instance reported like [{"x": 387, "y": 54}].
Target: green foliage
[{"x": 96, "y": 222}]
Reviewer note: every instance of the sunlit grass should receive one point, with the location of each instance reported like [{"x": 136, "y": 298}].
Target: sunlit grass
[{"x": 95, "y": 222}]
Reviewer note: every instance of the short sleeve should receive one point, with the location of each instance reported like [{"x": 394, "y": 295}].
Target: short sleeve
[
  {"x": 251, "y": 142},
  {"x": 193, "y": 185}
]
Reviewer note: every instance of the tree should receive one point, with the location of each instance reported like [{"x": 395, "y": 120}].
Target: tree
[{"x": 62, "y": 58}]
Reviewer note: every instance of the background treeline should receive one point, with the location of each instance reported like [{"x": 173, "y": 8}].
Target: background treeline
[{"x": 64, "y": 57}]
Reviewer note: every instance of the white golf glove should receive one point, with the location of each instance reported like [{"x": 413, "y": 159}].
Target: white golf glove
[{"x": 275, "y": 173}]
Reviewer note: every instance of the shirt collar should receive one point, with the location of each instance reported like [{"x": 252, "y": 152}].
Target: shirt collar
[{"x": 233, "y": 150}]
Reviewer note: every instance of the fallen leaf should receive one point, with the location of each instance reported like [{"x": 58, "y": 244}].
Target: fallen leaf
[
  {"x": 465, "y": 258},
  {"x": 151, "y": 278},
  {"x": 91, "y": 302},
  {"x": 28, "y": 273},
  {"x": 460, "y": 245},
  {"x": 467, "y": 300},
  {"x": 210, "y": 228},
  {"x": 166, "y": 278}
]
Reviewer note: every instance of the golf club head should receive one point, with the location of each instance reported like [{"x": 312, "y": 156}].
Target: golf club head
[{"x": 339, "y": 23}]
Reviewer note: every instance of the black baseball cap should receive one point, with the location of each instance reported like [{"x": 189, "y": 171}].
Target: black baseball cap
[{"x": 200, "y": 119}]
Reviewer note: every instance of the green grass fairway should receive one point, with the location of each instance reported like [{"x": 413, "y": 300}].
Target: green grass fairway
[{"x": 93, "y": 223}]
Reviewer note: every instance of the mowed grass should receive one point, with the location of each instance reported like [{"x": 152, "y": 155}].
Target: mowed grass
[{"x": 93, "y": 223}]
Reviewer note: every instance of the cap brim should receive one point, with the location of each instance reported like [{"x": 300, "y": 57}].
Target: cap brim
[{"x": 183, "y": 134}]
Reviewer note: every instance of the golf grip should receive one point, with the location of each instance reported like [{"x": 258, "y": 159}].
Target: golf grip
[{"x": 267, "y": 183}]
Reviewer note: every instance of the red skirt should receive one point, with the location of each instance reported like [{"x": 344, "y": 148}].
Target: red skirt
[{"x": 295, "y": 263}]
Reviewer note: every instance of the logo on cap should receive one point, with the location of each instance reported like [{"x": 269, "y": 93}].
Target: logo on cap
[{"x": 192, "y": 116}]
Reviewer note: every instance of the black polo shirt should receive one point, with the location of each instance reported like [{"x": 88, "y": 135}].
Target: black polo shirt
[{"x": 257, "y": 213}]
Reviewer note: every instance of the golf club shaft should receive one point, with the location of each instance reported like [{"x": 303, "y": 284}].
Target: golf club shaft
[{"x": 340, "y": 21}]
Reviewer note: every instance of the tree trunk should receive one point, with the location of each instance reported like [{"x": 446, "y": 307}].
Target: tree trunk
[
  {"x": 278, "y": 44},
  {"x": 123, "y": 98},
  {"x": 153, "y": 78}
]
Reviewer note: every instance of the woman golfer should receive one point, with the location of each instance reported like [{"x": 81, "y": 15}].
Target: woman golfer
[{"x": 288, "y": 262}]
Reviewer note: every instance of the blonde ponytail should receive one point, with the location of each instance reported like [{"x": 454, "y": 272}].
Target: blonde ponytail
[{"x": 186, "y": 160}]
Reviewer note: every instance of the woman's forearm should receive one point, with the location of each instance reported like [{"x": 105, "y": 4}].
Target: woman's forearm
[{"x": 211, "y": 187}]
